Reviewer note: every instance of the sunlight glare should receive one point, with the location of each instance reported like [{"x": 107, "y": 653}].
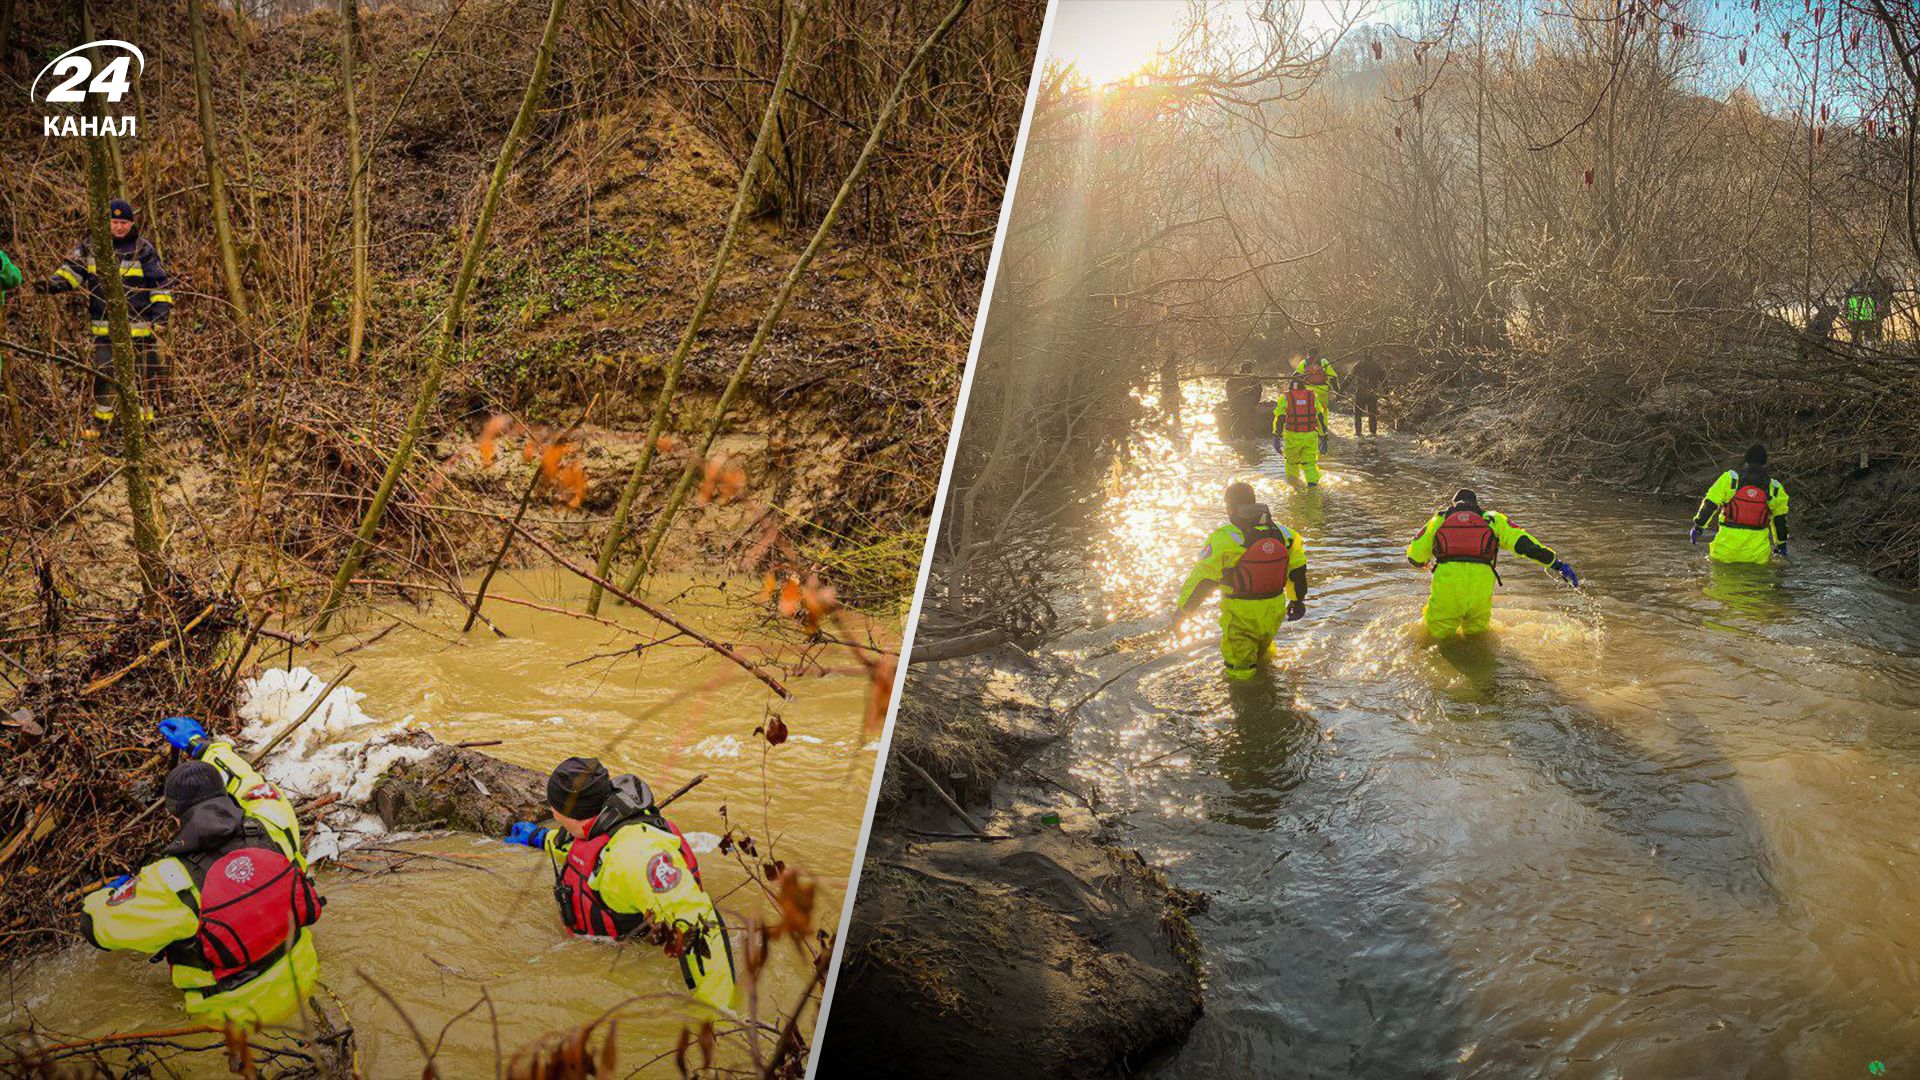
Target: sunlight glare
[{"x": 1108, "y": 42}]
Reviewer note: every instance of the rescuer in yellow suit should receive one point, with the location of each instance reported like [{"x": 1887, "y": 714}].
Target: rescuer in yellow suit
[
  {"x": 1261, "y": 568},
  {"x": 1299, "y": 425},
  {"x": 1317, "y": 372},
  {"x": 1752, "y": 507},
  {"x": 249, "y": 961},
  {"x": 622, "y": 869},
  {"x": 1463, "y": 541}
]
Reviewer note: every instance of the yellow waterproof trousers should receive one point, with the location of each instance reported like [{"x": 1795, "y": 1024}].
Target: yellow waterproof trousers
[
  {"x": 1742, "y": 545},
  {"x": 1462, "y": 599},
  {"x": 1302, "y": 452},
  {"x": 1246, "y": 632},
  {"x": 272, "y": 997}
]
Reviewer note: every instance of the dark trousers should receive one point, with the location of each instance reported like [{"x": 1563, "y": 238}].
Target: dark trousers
[
  {"x": 146, "y": 357},
  {"x": 1366, "y": 403}
]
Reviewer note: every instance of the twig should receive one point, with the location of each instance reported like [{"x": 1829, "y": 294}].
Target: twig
[
  {"x": 942, "y": 792},
  {"x": 153, "y": 650},
  {"x": 664, "y": 616},
  {"x": 526, "y": 497},
  {"x": 682, "y": 790},
  {"x": 312, "y": 707}
]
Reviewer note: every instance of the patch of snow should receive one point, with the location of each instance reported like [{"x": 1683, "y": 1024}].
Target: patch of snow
[{"x": 339, "y": 750}]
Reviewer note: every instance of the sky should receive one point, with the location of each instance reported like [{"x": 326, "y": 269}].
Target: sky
[{"x": 1108, "y": 40}]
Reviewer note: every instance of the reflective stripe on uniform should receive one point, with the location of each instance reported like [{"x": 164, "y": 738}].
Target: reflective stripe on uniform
[
  {"x": 140, "y": 328},
  {"x": 70, "y": 277}
]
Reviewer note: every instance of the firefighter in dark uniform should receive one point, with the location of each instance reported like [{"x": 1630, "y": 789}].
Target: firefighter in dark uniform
[{"x": 149, "y": 304}]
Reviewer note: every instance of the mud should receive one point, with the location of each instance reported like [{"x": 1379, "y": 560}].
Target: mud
[{"x": 1044, "y": 927}]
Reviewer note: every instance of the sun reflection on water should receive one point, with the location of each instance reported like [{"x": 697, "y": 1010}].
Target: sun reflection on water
[{"x": 1157, "y": 508}]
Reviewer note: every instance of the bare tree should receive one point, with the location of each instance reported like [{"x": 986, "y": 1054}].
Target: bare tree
[
  {"x": 216, "y": 172},
  {"x": 476, "y": 250}
]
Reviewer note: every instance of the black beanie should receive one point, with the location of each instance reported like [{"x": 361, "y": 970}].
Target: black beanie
[
  {"x": 1756, "y": 454},
  {"x": 190, "y": 784},
  {"x": 120, "y": 210},
  {"x": 579, "y": 788},
  {"x": 1466, "y": 497}
]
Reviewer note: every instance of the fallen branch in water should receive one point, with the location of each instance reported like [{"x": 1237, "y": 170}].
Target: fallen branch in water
[
  {"x": 319, "y": 804},
  {"x": 659, "y": 613},
  {"x": 681, "y": 790}
]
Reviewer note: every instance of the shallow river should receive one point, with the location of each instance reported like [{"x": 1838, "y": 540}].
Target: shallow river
[
  {"x": 1662, "y": 826},
  {"x": 434, "y": 935}
]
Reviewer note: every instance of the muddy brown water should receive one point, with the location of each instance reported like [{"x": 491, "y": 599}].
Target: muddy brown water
[
  {"x": 435, "y": 936},
  {"x": 1662, "y": 826}
]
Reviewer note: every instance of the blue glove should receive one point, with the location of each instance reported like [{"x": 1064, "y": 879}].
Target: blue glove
[
  {"x": 1693, "y": 535},
  {"x": 184, "y": 732},
  {"x": 528, "y": 834},
  {"x": 1560, "y": 567},
  {"x": 119, "y": 881}
]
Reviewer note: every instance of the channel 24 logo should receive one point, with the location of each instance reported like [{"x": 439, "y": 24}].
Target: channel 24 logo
[{"x": 103, "y": 69}]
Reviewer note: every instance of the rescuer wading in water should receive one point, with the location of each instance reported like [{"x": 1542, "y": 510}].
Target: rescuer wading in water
[
  {"x": 1752, "y": 507},
  {"x": 1463, "y": 541},
  {"x": 1299, "y": 428},
  {"x": 228, "y": 903},
  {"x": 1261, "y": 568},
  {"x": 1317, "y": 372},
  {"x": 620, "y": 867}
]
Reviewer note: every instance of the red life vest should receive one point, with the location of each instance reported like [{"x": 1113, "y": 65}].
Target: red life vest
[
  {"x": 1314, "y": 373},
  {"x": 581, "y": 908},
  {"x": 1261, "y": 572},
  {"x": 253, "y": 901},
  {"x": 1303, "y": 410},
  {"x": 1464, "y": 536},
  {"x": 1747, "y": 508}
]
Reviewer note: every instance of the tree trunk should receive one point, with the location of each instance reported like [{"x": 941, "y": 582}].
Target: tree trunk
[
  {"x": 216, "y": 174},
  {"x": 357, "y": 184},
  {"x": 248, "y": 159},
  {"x": 785, "y": 293},
  {"x": 132, "y": 421},
  {"x": 6, "y": 31},
  {"x": 113, "y": 147},
  {"x": 450, "y": 324},
  {"x": 743, "y": 197}
]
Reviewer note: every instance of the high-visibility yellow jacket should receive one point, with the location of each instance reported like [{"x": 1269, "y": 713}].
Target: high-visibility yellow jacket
[
  {"x": 1326, "y": 368},
  {"x": 1222, "y": 551},
  {"x": 644, "y": 872},
  {"x": 158, "y": 911},
  {"x": 1512, "y": 538},
  {"x": 1743, "y": 545}
]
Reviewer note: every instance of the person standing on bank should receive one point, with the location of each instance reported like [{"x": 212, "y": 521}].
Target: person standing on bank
[{"x": 149, "y": 306}]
